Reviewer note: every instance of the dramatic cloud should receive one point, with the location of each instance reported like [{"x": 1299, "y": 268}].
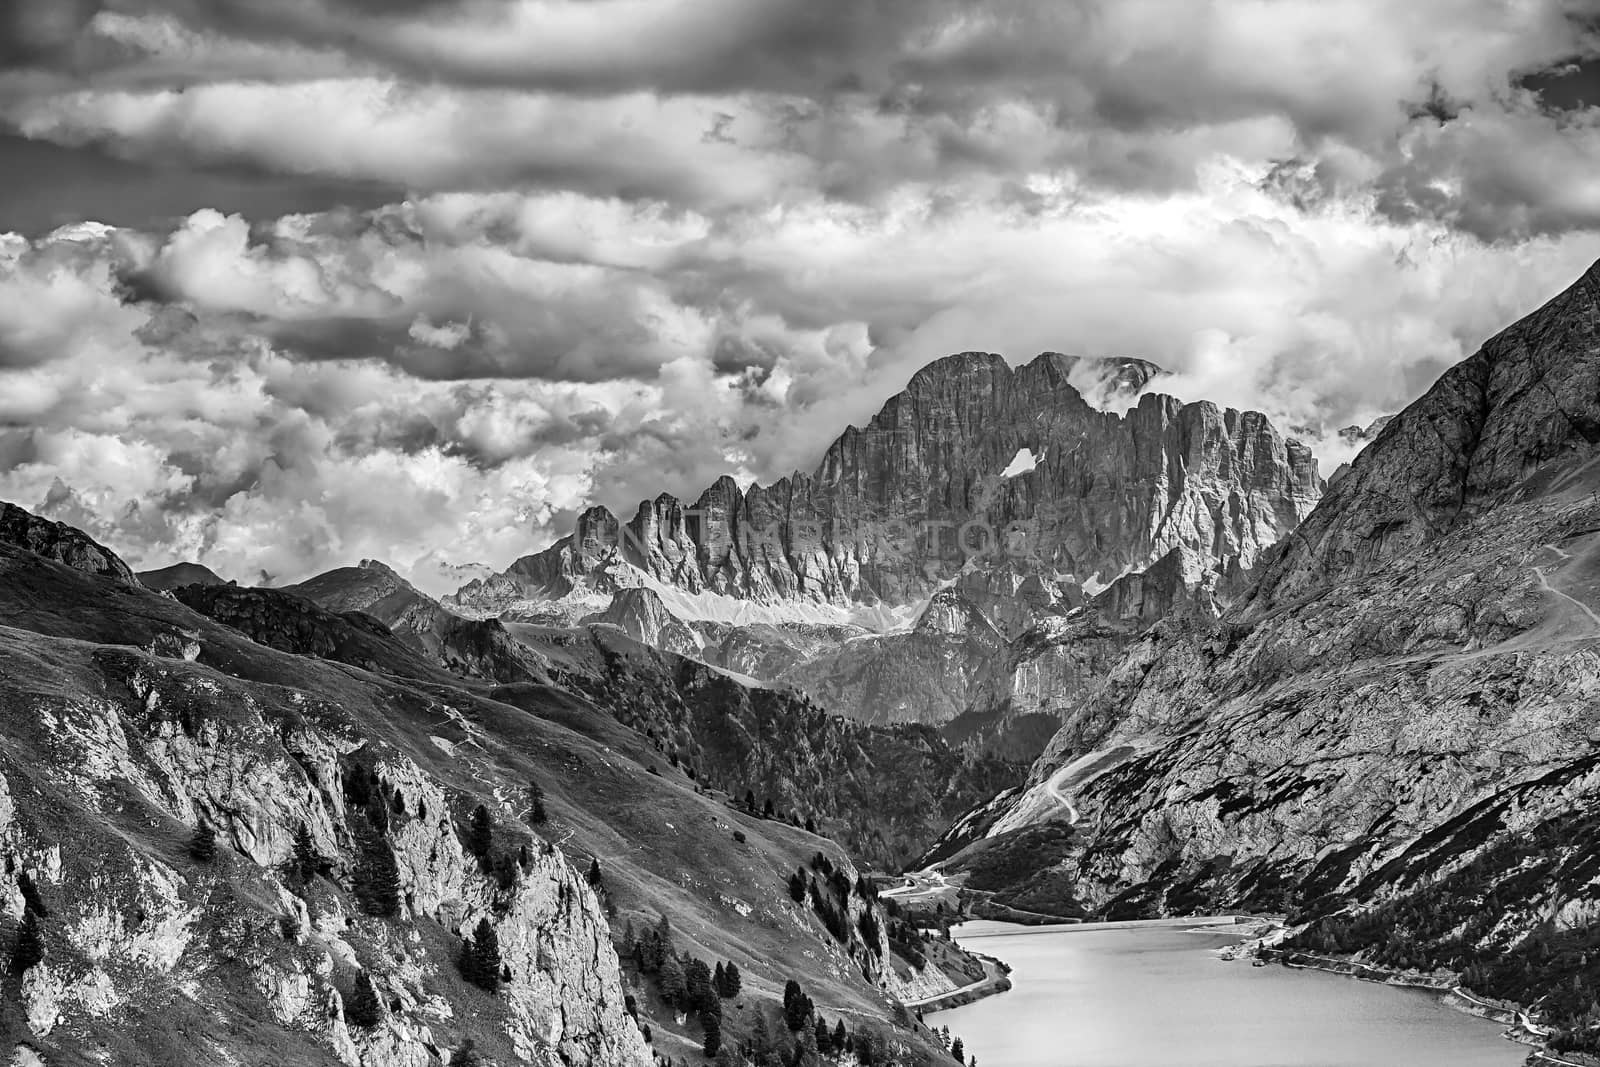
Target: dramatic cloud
[{"x": 418, "y": 280}]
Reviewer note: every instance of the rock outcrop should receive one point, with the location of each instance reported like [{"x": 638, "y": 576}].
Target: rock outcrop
[
  {"x": 641, "y": 615},
  {"x": 60, "y": 542}
]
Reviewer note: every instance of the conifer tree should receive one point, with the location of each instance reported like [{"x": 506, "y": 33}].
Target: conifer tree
[
  {"x": 797, "y": 886},
  {"x": 305, "y": 863},
  {"x": 713, "y": 1028},
  {"x": 481, "y": 963},
  {"x": 203, "y": 846},
  {"x": 363, "y": 1009},
  {"x": 536, "y": 813},
  {"x": 674, "y": 983},
  {"x": 480, "y": 833},
  {"x": 30, "y": 894},
  {"x": 797, "y": 1007},
  {"x": 596, "y": 878},
  {"x": 731, "y": 976},
  {"x": 957, "y": 1051},
  {"x": 378, "y": 877},
  {"x": 30, "y": 948}
]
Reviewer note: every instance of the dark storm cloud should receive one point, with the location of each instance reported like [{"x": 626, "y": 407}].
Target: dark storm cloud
[
  {"x": 43, "y": 186},
  {"x": 41, "y": 32},
  {"x": 710, "y": 47},
  {"x": 1570, "y": 86}
]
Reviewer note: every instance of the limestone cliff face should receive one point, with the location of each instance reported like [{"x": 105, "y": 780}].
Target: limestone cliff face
[
  {"x": 1403, "y": 698},
  {"x": 904, "y": 504}
]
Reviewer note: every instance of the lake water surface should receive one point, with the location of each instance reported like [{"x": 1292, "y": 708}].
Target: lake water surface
[{"x": 1159, "y": 997}]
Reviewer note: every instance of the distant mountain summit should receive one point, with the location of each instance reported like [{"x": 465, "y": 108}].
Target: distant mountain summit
[
  {"x": 178, "y": 575},
  {"x": 931, "y": 488}
]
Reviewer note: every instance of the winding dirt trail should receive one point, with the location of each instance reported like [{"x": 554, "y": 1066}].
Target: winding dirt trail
[{"x": 1544, "y": 583}]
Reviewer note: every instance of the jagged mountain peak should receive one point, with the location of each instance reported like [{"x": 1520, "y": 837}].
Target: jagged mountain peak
[
  {"x": 951, "y": 614},
  {"x": 875, "y": 525}
]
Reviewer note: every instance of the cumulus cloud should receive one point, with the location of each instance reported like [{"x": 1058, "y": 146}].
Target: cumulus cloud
[{"x": 632, "y": 245}]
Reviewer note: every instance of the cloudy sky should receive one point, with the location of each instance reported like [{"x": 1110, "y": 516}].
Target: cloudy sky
[{"x": 289, "y": 283}]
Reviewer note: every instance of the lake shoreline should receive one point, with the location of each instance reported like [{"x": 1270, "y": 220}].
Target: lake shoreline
[
  {"x": 997, "y": 980},
  {"x": 1110, "y": 972},
  {"x": 1519, "y": 1028}
]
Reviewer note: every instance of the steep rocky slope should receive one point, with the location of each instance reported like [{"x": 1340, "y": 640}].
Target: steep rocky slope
[
  {"x": 883, "y": 792},
  {"x": 1395, "y": 726},
  {"x": 882, "y": 519},
  {"x": 855, "y": 782},
  {"x": 341, "y": 783}
]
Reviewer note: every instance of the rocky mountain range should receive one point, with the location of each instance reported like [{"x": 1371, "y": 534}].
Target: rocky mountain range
[
  {"x": 1391, "y": 733},
  {"x": 897, "y": 581},
  {"x": 220, "y": 802}
]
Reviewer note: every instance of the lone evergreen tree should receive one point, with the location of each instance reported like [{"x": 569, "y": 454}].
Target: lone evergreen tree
[
  {"x": 480, "y": 958},
  {"x": 797, "y": 1007},
  {"x": 363, "y": 1009},
  {"x": 30, "y": 894},
  {"x": 480, "y": 834},
  {"x": 378, "y": 878},
  {"x": 203, "y": 846},
  {"x": 305, "y": 863},
  {"x": 797, "y": 886},
  {"x": 596, "y": 879},
  {"x": 767, "y": 809},
  {"x": 536, "y": 813},
  {"x": 958, "y": 1052},
  {"x": 730, "y": 975},
  {"x": 674, "y": 983},
  {"x": 750, "y": 800},
  {"x": 713, "y": 1028},
  {"x": 30, "y": 942}
]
